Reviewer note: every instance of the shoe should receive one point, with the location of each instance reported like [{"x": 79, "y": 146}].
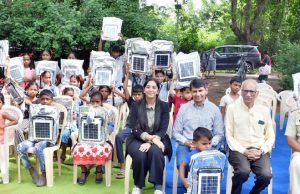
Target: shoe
[
  {"x": 41, "y": 181},
  {"x": 136, "y": 190},
  {"x": 158, "y": 192},
  {"x": 121, "y": 174},
  {"x": 99, "y": 180},
  {"x": 34, "y": 176},
  {"x": 83, "y": 181}
]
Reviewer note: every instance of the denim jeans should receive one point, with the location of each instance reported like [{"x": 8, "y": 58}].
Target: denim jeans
[
  {"x": 38, "y": 150},
  {"x": 120, "y": 138}
]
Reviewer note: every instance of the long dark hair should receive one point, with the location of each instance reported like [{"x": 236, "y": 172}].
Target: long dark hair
[{"x": 42, "y": 75}]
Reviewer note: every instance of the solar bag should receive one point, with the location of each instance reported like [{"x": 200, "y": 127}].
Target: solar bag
[
  {"x": 71, "y": 67},
  {"x": 17, "y": 69},
  {"x": 140, "y": 59},
  {"x": 67, "y": 102},
  {"x": 205, "y": 172},
  {"x": 43, "y": 123},
  {"x": 15, "y": 91},
  {"x": 162, "y": 53},
  {"x": 4, "y": 49},
  {"x": 128, "y": 45},
  {"x": 93, "y": 125},
  {"x": 41, "y": 66},
  {"x": 111, "y": 27}
]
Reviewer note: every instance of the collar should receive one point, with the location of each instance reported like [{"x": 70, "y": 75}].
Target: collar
[
  {"x": 243, "y": 105},
  {"x": 204, "y": 103}
]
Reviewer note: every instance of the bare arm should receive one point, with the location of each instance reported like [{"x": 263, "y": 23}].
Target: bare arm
[
  {"x": 223, "y": 111},
  {"x": 125, "y": 84},
  {"x": 182, "y": 168},
  {"x": 293, "y": 143},
  {"x": 83, "y": 94},
  {"x": 13, "y": 120}
]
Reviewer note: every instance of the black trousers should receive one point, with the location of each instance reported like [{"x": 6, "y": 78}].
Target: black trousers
[
  {"x": 142, "y": 162},
  {"x": 242, "y": 168}
]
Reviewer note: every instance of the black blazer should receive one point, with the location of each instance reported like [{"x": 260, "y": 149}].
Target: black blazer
[{"x": 138, "y": 122}]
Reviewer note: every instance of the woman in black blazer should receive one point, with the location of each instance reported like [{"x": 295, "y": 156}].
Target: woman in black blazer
[{"x": 149, "y": 142}]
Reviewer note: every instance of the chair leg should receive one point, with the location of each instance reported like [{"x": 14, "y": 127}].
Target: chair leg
[
  {"x": 164, "y": 177},
  {"x": 49, "y": 167},
  {"x": 108, "y": 173},
  {"x": 59, "y": 161},
  {"x": 229, "y": 178},
  {"x": 127, "y": 174},
  {"x": 74, "y": 174},
  {"x": 19, "y": 168},
  {"x": 175, "y": 178}
]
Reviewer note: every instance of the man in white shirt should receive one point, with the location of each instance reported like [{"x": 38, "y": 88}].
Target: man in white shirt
[{"x": 250, "y": 137}]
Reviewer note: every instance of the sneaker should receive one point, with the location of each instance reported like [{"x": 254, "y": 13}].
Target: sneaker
[
  {"x": 158, "y": 192},
  {"x": 41, "y": 182},
  {"x": 136, "y": 190},
  {"x": 121, "y": 174}
]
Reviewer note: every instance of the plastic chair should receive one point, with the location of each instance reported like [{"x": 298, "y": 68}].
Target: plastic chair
[
  {"x": 175, "y": 177},
  {"x": 107, "y": 165},
  {"x": 49, "y": 151},
  {"x": 170, "y": 126},
  {"x": 9, "y": 134},
  {"x": 264, "y": 86},
  {"x": 282, "y": 97},
  {"x": 229, "y": 180},
  {"x": 128, "y": 164}
]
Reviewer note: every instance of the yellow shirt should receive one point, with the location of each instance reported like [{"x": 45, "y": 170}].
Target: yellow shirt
[
  {"x": 293, "y": 125},
  {"x": 247, "y": 128}
]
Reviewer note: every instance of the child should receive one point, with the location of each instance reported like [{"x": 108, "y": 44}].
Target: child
[
  {"x": 235, "y": 86},
  {"x": 47, "y": 55},
  {"x": 32, "y": 90},
  {"x": 75, "y": 80},
  {"x": 45, "y": 83},
  {"x": 137, "y": 95},
  {"x": 72, "y": 55},
  {"x": 4, "y": 116},
  {"x": 29, "y": 72},
  {"x": 46, "y": 98},
  {"x": 164, "y": 86},
  {"x": 201, "y": 141},
  {"x": 73, "y": 125},
  {"x": 185, "y": 96},
  {"x": 101, "y": 152}
]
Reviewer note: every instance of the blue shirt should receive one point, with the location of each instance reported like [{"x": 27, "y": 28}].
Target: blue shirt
[
  {"x": 192, "y": 116},
  {"x": 190, "y": 154},
  {"x": 164, "y": 92}
]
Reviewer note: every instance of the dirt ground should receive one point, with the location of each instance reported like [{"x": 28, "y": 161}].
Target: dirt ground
[{"x": 217, "y": 87}]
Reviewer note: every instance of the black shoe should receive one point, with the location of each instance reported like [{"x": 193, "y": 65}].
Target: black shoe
[
  {"x": 83, "y": 181},
  {"x": 99, "y": 180}
]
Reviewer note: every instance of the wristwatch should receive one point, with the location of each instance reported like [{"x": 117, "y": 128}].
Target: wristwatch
[{"x": 262, "y": 151}]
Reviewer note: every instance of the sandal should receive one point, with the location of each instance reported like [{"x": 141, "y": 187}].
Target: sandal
[
  {"x": 100, "y": 179},
  {"x": 121, "y": 174},
  {"x": 83, "y": 181}
]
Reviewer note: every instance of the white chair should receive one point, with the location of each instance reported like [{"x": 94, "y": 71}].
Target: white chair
[
  {"x": 264, "y": 86},
  {"x": 49, "y": 151},
  {"x": 170, "y": 126},
  {"x": 229, "y": 181},
  {"x": 282, "y": 97},
  {"x": 175, "y": 177},
  {"x": 128, "y": 164},
  {"x": 9, "y": 134}
]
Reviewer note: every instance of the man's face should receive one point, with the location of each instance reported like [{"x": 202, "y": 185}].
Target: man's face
[
  {"x": 249, "y": 93},
  {"x": 199, "y": 94}
]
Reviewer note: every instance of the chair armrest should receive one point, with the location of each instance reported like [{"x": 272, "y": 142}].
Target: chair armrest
[
  {"x": 52, "y": 149},
  {"x": 7, "y": 131}
]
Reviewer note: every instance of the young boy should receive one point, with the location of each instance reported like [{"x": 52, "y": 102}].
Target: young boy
[
  {"x": 185, "y": 96},
  {"x": 201, "y": 141},
  {"x": 46, "y": 98},
  {"x": 235, "y": 86},
  {"x": 137, "y": 95},
  {"x": 164, "y": 88}
]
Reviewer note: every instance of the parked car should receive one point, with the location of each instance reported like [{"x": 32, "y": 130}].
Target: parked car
[{"x": 228, "y": 56}]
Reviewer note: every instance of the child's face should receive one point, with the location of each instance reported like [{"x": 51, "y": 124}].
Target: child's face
[
  {"x": 96, "y": 101},
  {"x": 235, "y": 87},
  {"x": 1, "y": 104},
  {"x": 159, "y": 77},
  {"x": 137, "y": 96},
  {"x": 46, "y": 56},
  {"x": 32, "y": 91},
  {"x": 105, "y": 93},
  {"x": 26, "y": 60},
  {"x": 70, "y": 93},
  {"x": 115, "y": 54},
  {"x": 202, "y": 144},
  {"x": 74, "y": 82},
  {"x": 46, "y": 100},
  {"x": 71, "y": 56},
  {"x": 46, "y": 79},
  {"x": 187, "y": 94}
]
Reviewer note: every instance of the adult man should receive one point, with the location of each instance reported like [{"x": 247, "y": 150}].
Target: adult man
[
  {"x": 250, "y": 137},
  {"x": 212, "y": 63},
  {"x": 199, "y": 112},
  {"x": 293, "y": 138}
]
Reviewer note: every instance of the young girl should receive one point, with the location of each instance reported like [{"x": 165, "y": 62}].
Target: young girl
[
  {"x": 29, "y": 72},
  {"x": 72, "y": 55},
  {"x": 46, "y": 98},
  {"x": 47, "y": 55},
  {"x": 32, "y": 90},
  {"x": 45, "y": 83},
  {"x": 75, "y": 80},
  {"x": 101, "y": 152},
  {"x": 73, "y": 126},
  {"x": 3, "y": 117}
]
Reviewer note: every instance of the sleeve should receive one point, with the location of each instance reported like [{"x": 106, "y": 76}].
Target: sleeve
[
  {"x": 164, "y": 120},
  {"x": 232, "y": 143},
  {"x": 291, "y": 126},
  {"x": 218, "y": 128},
  {"x": 269, "y": 134},
  {"x": 178, "y": 126},
  {"x": 133, "y": 124},
  {"x": 223, "y": 101}
]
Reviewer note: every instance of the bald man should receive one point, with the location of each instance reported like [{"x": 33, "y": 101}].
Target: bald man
[{"x": 250, "y": 137}]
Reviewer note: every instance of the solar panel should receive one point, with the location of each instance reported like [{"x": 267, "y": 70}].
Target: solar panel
[
  {"x": 162, "y": 60},
  {"x": 42, "y": 129},
  {"x": 16, "y": 73},
  {"x": 92, "y": 131},
  {"x": 139, "y": 63},
  {"x": 71, "y": 71},
  {"x": 15, "y": 92},
  {"x": 209, "y": 181},
  {"x": 187, "y": 70},
  {"x": 103, "y": 77}
]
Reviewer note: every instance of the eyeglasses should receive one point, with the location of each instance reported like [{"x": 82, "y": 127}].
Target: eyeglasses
[{"x": 252, "y": 92}]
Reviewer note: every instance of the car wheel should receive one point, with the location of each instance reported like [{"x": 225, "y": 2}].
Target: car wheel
[{"x": 249, "y": 68}]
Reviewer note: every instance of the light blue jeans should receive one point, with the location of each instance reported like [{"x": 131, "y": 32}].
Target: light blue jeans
[{"x": 38, "y": 150}]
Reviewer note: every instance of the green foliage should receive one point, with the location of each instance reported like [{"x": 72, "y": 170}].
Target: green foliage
[{"x": 288, "y": 63}]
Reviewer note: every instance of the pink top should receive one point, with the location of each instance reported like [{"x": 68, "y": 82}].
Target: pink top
[
  {"x": 29, "y": 74},
  {"x": 2, "y": 122}
]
